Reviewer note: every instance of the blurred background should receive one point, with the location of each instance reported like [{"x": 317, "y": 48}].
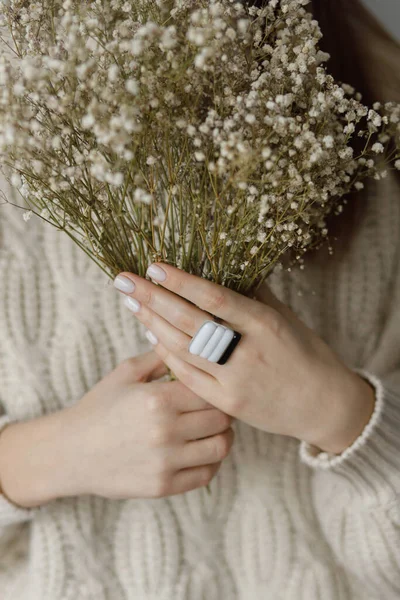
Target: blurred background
[{"x": 389, "y": 13}]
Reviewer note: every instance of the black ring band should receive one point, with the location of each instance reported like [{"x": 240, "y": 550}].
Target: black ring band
[{"x": 230, "y": 348}]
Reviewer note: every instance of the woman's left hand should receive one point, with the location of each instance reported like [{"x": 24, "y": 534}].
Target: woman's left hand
[{"x": 281, "y": 377}]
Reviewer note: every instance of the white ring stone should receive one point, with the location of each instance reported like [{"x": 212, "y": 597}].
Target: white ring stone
[
  {"x": 213, "y": 341},
  {"x": 202, "y": 337},
  {"x": 222, "y": 345}
]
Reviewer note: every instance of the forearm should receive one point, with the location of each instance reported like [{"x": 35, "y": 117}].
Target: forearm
[{"x": 36, "y": 460}]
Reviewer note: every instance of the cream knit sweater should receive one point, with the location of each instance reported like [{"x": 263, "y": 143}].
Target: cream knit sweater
[{"x": 280, "y": 524}]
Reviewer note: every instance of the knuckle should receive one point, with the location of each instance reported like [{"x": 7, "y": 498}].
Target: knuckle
[
  {"x": 221, "y": 447},
  {"x": 160, "y": 435},
  {"x": 161, "y": 486},
  {"x": 128, "y": 366},
  {"x": 274, "y": 321},
  {"x": 163, "y": 466},
  {"x": 236, "y": 403},
  {"x": 206, "y": 474},
  {"x": 178, "y": 344},
  {"x": 178, "y": 285},
  {"x": 148, "y": 297},
  {"x": 185, "y": 322},
  {"x": 157, "y": 402},
  {"x": 215, "y": 302}
]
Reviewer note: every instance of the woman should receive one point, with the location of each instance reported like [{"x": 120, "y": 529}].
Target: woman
[{"x": 102, "y": 462}]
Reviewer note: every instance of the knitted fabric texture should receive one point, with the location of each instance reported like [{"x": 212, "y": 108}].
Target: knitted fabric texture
[{"x": 280, "y": 523}]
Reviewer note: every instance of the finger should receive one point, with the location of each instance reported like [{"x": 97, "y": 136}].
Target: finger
[
  {"x": 202, "y": 424},
  {"x": 175, "y": 340},
  {"x": 207, "y": 451},
  {"x": 143, "y": 367},
  {"x": 193, "y": 478},
  {"x": 150, "y": 366},
  {"x": 158, "y": 372},
  {"x": 211, "y": 297},
  {"x": 197, "y": 380},
  {"x": 181, "y": 398},
  {"x": 174, "y": 309}
]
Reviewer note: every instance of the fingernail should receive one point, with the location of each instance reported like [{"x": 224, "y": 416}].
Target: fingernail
[
  {"x": 132, "y": 304},
  {"x": 123, "y": 284},
  {"x": 156, "y": 273},
  {"x": 151, "y": 337}
]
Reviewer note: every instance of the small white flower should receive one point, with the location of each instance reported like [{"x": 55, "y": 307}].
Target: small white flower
[
  {"x": 132, "y": 86},
  {"x": 141, "y": 195},
  {"x": 17, "y": 181},
  {"x": 88, "y": 121},
  {"x": 151, "y": 160},
  {"x": 397, "y": 164},
  {"x": 378, "y": 148},
  {"x": 27, "y": 215},
  {"x": 113, "y": 73},
  {"x": 359, "y": 185},
  {"x": 250, "y": 118},
  {"x": 350, "y": 128},
  {"x": 375, "y": 118},
  {"x": 328, "y": 141},
  {"x": 243, "y": 25}
]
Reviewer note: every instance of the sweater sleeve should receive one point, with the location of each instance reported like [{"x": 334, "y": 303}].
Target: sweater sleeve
[
  {"x": 11, "y": 513},
  {"x": 356, "y": 494}
]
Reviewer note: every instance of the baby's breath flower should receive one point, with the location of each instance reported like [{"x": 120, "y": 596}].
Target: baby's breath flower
[
  {"x": 162, "y": 128},
  {"x": 132, "y": 86},
  {"x": 142, "y": 196},
  {"x": 375, "y": 118},
  {"x": 378, "y": 148},
  {"x": 328, "y": 141}
]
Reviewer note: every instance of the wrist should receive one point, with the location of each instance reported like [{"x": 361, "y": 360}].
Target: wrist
[
  {"x": 349, "y": 411},
  {"x": 35, "y": 462}
]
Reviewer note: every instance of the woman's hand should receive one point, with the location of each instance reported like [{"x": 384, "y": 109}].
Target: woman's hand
[
  {"x": 144, "y": 438},
  {"x": 281, "y": 378},
  {"x": 130, "y": 436}
]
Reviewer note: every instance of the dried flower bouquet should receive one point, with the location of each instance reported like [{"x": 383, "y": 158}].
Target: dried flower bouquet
[{"x": 203, "y": 133}]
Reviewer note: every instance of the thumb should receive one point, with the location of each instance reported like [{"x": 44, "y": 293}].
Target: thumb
[{"x": 148, "y": 367}]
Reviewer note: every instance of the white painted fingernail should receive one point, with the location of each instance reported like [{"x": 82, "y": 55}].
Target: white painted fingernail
[
  {"x": 156, "y": 273},
  {"x": 124, "y": 284},
  {"x": 132, "y": 304},
  {"x": 151, "y": 337}
]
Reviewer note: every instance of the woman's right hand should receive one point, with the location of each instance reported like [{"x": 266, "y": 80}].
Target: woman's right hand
[
  {"x": 130, "y": 436},
  {"x": 136, "y": 437}
]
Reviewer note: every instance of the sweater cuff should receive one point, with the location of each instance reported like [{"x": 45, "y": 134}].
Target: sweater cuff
[
  {"x": 371, "y": 465},
  {"x": 9, "y": 512}
]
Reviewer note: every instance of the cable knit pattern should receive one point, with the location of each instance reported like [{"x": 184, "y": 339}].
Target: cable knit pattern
[{"x": 281, "y": 523}]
